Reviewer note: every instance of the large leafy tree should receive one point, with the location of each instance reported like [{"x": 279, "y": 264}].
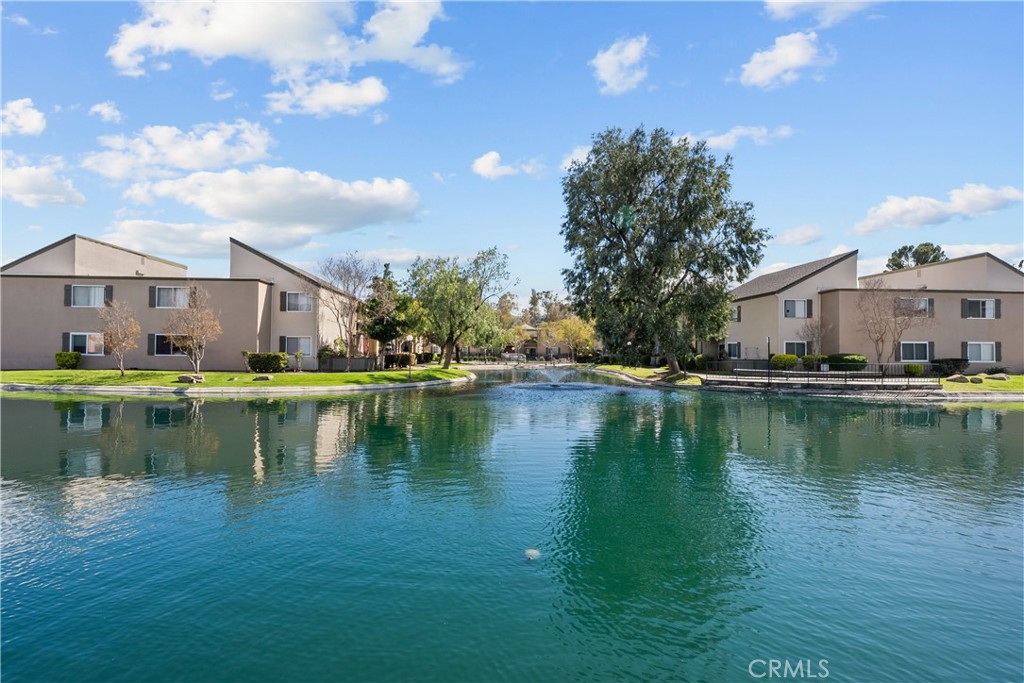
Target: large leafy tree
[
  {"x": 655, "y": 240},
  {"x": 452, "y": 294},
  {"x": 909, "y": 256}
]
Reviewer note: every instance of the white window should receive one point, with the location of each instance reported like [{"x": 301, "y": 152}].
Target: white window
[
  {"x": 732, "y": 350},
  {"x": 797, "y": 308},
  {"x": 293, "y": 344},
  {"x": 87, "y": 343},
  {"x": 981, "y": 308},
  {"x": 162, "y": 346},
  {"x": 914, "y": 351},
  {"x": 981, "y": 351},
  {"x": 299, "y": 301},
  {"x": 735, "y": 313},
  {"x": 796, "y": 348},
  {"x": 87, "y": 296},
  {"x": 172, "y": 297},
  {"x": 913, "y": 306}
]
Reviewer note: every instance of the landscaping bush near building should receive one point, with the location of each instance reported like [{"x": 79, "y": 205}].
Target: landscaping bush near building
[
  {"x": 784, "y": 361},
  {"x": 268, "y": 362},
  {"x": 68, "y": 360},
  {"x": 396, "y": 360},
  {"x": 426, "y": 358},
  {"x": 950, "y": 366},
  {"x": 913, "y": 369},
  {"x": 698, "y": 362},
  {"x": 997, "y": 370},
  {"x": 847, "y": 361},
  {"x": 813, "y": 361}
]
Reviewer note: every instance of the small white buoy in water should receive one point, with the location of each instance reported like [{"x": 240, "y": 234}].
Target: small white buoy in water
[{"x": 531, "y": 554}]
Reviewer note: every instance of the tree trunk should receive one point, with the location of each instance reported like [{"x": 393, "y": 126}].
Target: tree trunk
[
  {"x": 449, "y": 347},
  {"x": 673, "y": 364}
]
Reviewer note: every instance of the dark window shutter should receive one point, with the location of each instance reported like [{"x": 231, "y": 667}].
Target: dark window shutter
[
  {"x": 810, "y": 308},
  {"x": 999, "y": 351},
  {"x": 999, "y": 308},
  {"x": 964, "y": 312},
  {"x": 787, "y": 306},
  {"x": 963, "y": 348},
  {"x": 284, "y": 303},
  {"x": 152, "y": 297},
  {"x": 931, "y": 351},
  {"x": 739, "y": 313},
  {"x": 65, "y": 340},
  {"x": 283, "y": 342},
  {"x": 108, "y": 295},
  {"x": 151, "y": 345},
  {"x": 67, "y": 295},
  {"x": 931, "y": 308},
  {"x": 899, "y": 352}
]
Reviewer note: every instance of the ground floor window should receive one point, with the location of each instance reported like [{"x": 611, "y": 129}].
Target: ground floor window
[
  {"x": 292, "y": 345},
  {"x": 981, "y": 351},
  {"x": 162, "y": 346},
  {"x": 87, "y": 343},
  {"x": 796, "y": 348},
  {"x": 914, "y": 351},
  {"x": 732, "y": 350}
]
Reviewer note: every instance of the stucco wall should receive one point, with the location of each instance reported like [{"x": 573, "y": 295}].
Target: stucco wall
[
  {"x": 758, "y": 320},
  {"x": 968, "y": 273}
]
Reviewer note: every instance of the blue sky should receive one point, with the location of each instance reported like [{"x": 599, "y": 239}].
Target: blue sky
[{"x": 398, "y": 130}]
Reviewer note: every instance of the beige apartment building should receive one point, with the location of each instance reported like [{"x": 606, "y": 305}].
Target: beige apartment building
[
  {"x": 49, "y": 302},
  {"x": 970, "y": 307}
]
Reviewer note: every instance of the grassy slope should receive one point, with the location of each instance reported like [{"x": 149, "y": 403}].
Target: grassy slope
[
  {"x": 221, "y": 379},
  {"x": 648, "y": 373}
]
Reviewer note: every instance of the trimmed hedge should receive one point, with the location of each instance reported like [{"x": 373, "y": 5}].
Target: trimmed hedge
[
  {"x": 950, "y": 366},
  {"x": 847, "y": 361},
  {"x": 913, "y": 370},
  {"x": 396, "y": 360},
  {"x": 67, "y": 360},
  {"x": 813, "y": 361},
  {"x": 784, "y": 361},
  {"x": 698, "y": 362},
  {"x": 268, "y": 362}
]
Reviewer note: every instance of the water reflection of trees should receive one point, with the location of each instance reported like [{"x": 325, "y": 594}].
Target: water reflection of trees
[{"x": 651, "y": 531}]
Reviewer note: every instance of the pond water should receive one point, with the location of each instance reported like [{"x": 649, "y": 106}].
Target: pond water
[{"x": 383, "y": 537}]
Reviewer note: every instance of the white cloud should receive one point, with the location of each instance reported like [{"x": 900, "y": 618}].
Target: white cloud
[
  {"x": 399, "y": 257},
  {"x": 489, "y": 166},
  {"x": 328, "y": 97},
  {"x": 800, "y": 235},
  {"x": 106, "y": 111},
  {"x": 1010, "y": 253},
  {"x": 840, "y": 249},
  {"x": 770, "y": 268},
  {"x": 728, "y": 140},
  {"x": 276, "y": 207},
  {"x": 17, "y": 19},
  {"x": 578, "y": 153},
  {"x": 35, "y": 185},
  {"x": 159, "y": 150},
  {"x": 781, "y": 64},
  {"x": 914, "y": 212},
  {"x": 305, "y": 45},
  {"x": 619, "y": 68},
  {"x": 220, "y": 90},
  {"x": 826, "y": 12},
  {"x": 871, "y": 266},
  {"x": 20, "y": 117}
]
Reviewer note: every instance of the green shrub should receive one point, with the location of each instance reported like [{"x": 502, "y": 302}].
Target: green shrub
[
  {"x": 68, "y": 360},
  {"x": 268, "y": 362},
  {"x": 997, "y": 370},
  {"x": 784, "y": 361},
  {"x": 423, "y": 358},
  {"x": 813, "y": 361},
  {"x": 325, "y": 352},
  {"x": 697, "y": 362},
  {"x": 847, "y": 361},
  {"x": 913, "y": 370},
  {"x": 950, "y": 366}
]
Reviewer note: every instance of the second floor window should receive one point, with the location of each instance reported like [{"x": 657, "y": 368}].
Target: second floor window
[
  {"x": 172, "y": 297},
  {"x": 979, "y": 308},
  {"x": 87, "y": 296},
  {"x": 298, "y": 301},
  {"x": 797, "y": 308}
]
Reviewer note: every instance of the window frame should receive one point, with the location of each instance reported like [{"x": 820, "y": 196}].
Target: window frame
[
  {"x": 984, "y": 306},
  {"x": 785, "y": 348},
  {"x": 300, "y": 294},
  {"x": 71, "y": 342},
  {"x": 728, "y": 350},
  {"x": 981, "y": 344},
  {"x": 175, "y": 351},
  {"x": 797, "y": 303},
  {"x": 288, "y": 339},
  {"x": 927, "y": 357},
  {"x": 171, "y": 287},
  {"x": 102, "y": 290},
  {"x": 912, "y": 305},
  {"x": 734, "y": 313}
]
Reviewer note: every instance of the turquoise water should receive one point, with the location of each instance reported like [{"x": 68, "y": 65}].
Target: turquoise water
[{"x": 381, "y": 537}]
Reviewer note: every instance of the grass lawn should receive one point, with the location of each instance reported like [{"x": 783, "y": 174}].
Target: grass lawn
[
  {"x": 160, "y": 378},
  {"x": 651, "y": 373},
  {"x": 1015, "y": 383}
]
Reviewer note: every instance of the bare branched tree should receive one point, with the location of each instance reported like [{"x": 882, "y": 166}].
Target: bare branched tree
[
  {"x": 885, "y": 314},
  {"x": 352, "y": 275},
  {"x": 813, "y": 331},
  {"x": 191, "y": 329},
  {"x": 121, "y": 331}
]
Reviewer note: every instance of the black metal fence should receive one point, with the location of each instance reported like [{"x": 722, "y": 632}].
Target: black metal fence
[{"x": 874, "y": 374}]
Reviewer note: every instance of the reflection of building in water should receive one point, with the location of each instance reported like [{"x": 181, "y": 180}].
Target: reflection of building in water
[{"x": 85, "y": 417}]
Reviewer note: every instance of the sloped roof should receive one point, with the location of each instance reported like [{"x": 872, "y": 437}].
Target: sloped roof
[
  {"x": 75, "y": 236},
  {"x": 298, "y": 272},
  {"x": 773, "y": 283},
  {"x": 984, "y": 254}
]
